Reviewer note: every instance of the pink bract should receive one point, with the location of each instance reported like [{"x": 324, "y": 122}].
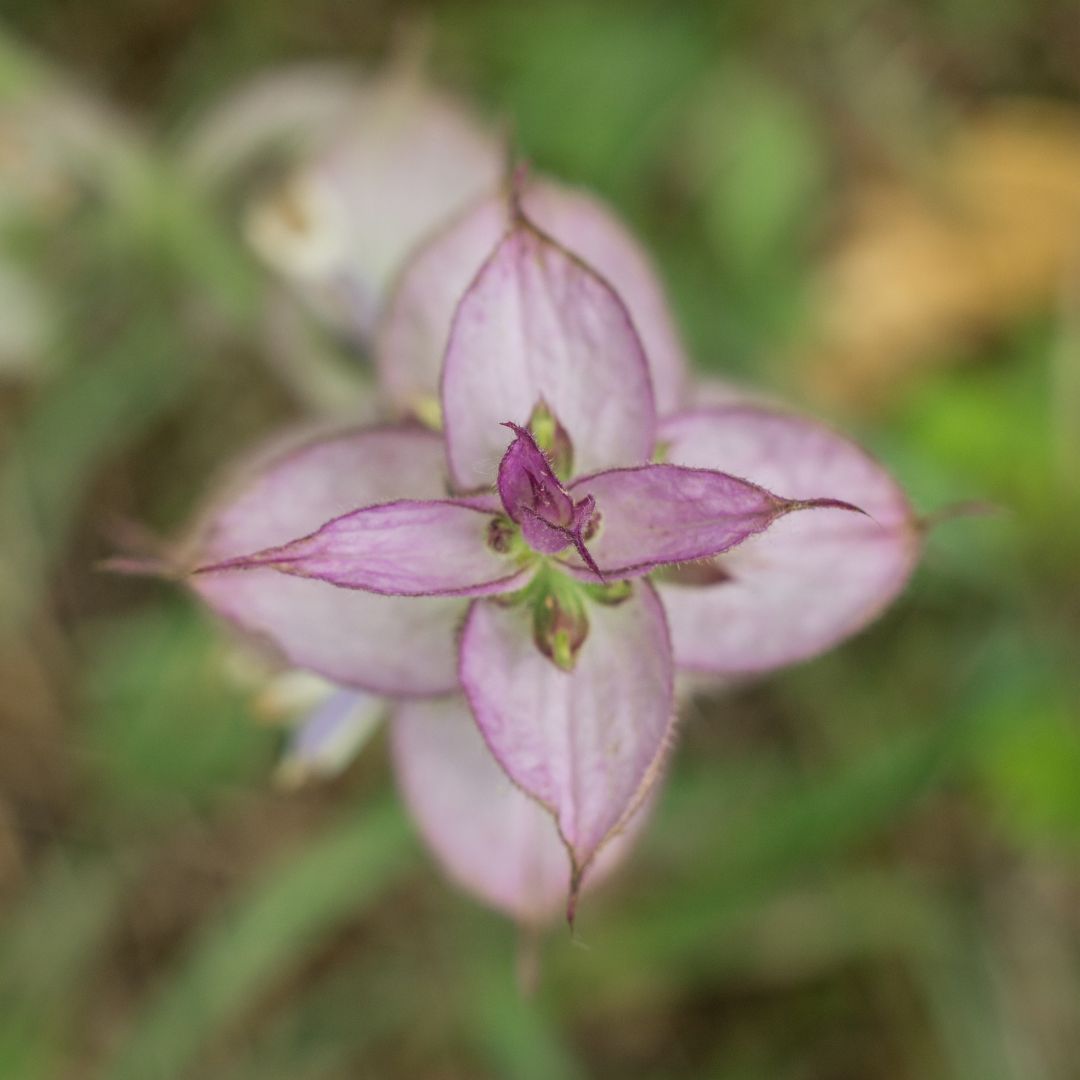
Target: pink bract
[
  {"x": 412, "y": 336},
  {"x": 555, "y": 573}
]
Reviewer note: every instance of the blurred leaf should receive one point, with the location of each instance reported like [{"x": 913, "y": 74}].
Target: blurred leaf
[
  {"x": 762, "y": 170},
  {"x": 166, "y": 725},
  {"x": 972, "y": 422},
  {"x": 590, "y": 86},
  {"x": 98, "y": 408},
  {"x": 956, "y": 967},
  {"x": 1031, "y": 763},
  {"x": 321, "y": 1030},
  {"x": 514, "y": 1032},
  {"x": 45, "y": 950},
  {"x": 750, "y": 163},
  {"x": 990, "y": 435},
  {"x": 263, "y": 933}
]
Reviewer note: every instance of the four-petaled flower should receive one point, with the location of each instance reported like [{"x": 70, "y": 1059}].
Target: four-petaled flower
[{"x": 557, "y": 574}]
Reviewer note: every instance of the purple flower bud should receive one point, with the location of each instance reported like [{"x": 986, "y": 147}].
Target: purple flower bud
[
  {"x": 550, "y": 520},
  {"x": 560, "y": 627}
]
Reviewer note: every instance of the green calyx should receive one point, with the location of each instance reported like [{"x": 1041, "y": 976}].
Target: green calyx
[
  {"x": 553, "y": 439},
  {"x": 559, "y": 606},
  {"x": 560, "y": 622},
  {"x": 614, "y": 593}
]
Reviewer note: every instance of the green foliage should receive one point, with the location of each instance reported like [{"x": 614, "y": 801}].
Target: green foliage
[
  {"x": 46, "y": 948},
  {"x": 591, "y": 89},
  {"x": 282, "y": 916},
  {"x": 865, "y": 867}
]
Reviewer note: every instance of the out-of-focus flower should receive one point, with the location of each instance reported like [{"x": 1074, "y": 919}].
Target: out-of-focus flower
[
  {"x": 288, "y": 111},
  {"x": 327, "y": 725},
  {"x": 400, "y": 161},
  {"x": 350, "y": 173},
  {"x": 560, "y": 606},
  {"x": 48, "y": 140}
]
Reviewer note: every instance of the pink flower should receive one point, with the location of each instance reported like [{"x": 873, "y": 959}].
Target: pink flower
[{"x": 557, "y": 573}]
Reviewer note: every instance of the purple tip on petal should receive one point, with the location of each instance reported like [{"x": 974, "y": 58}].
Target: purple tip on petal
[{"x": 572, "y": 898}]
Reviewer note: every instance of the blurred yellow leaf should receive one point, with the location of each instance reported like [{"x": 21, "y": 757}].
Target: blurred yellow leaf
[{"x": 923, "y": 269}]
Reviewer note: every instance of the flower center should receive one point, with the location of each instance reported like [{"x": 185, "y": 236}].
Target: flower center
[
  {"x": 542, "y": 514},
  {"x": 535, "y": 499}
]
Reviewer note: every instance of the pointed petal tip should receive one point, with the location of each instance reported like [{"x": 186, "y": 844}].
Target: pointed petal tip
[
  {"x": 239, "y": 562},
  {"x": 840, "y": 571},
  {"x": 572, "y": 899},
  {"x": 519, "y": 179},
  {"x": 517, "y": 429},
  {"x": 491, "y": 838},
  {"x": 826, "y": 504},
  {"x": 585, "y": 744},
  {"x": 268, "y": 559},
  {"x": 590, "y": 562},
  {"x": 412, "y": 337}
]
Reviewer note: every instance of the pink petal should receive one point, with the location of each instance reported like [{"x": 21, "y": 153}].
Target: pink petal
[
  {"x": 539, "y": 326},
  {"x": 587, "y": 744},
  {"x": 659, "y": 514},
  {"x": 584, "y": 225},
  {"x": 385, "y": 644},
  {"x": 812, "y": 579},
  {"x": 413, "y": 332},
  {"x": 494, "y": 841},
  {"x": 412, "y": 547}
]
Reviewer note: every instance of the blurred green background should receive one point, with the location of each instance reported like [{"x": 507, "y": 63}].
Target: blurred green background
[{"x": 867, "y": 867}]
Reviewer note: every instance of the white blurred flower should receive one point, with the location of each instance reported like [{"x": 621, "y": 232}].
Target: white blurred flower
[
  {"x": 327, "y": 725},
  {"x": 356, "y": 172},
  {"x": 342, "y": 224}
]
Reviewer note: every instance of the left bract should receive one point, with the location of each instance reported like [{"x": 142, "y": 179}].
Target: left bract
[{"x": 392, "y": 645}]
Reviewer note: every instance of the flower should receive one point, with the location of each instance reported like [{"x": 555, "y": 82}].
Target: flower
[
  {"x": 557, "y": 574},
  {"x": 340, "y": 175},
  {"x": 394, "y": 164}
]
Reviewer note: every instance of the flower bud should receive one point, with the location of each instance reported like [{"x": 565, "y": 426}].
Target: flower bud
[{"x": 560, "y": 627}]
